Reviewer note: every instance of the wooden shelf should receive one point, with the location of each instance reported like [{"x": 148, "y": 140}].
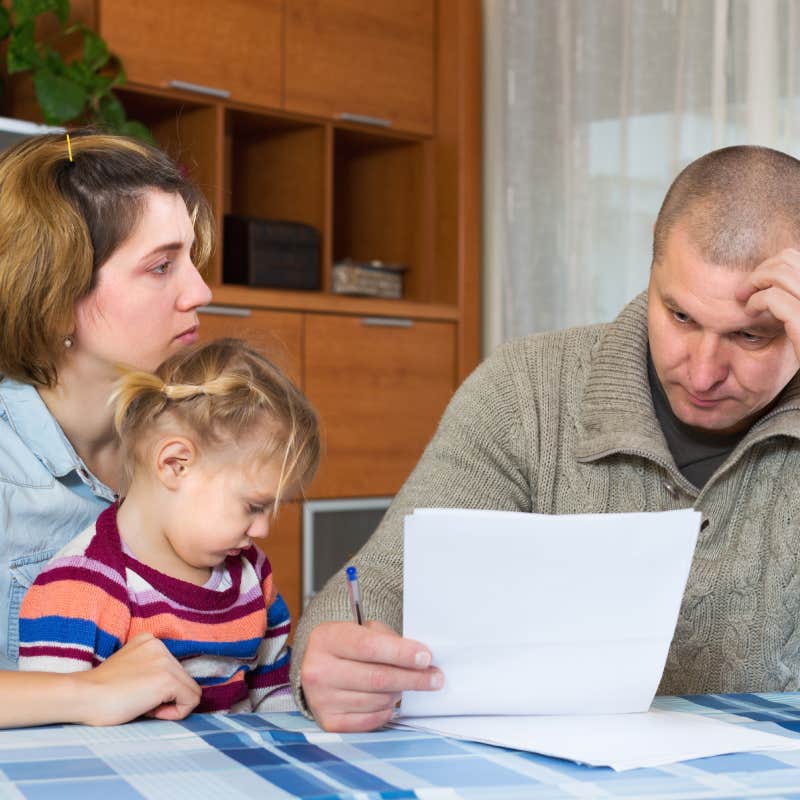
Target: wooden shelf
[{"x": 279, "y": 299}]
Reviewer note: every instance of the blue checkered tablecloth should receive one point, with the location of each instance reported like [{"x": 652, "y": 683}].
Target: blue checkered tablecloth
[{"x": 286, "y": 756}]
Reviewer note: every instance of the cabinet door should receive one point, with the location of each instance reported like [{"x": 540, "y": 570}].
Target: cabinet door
[
  {"x": 234, "y": 46},
  {"x": 277, "y": 334},
  {"x": 284, "y": 550},
  {"x": 379, "y": 391},
  {"x": 353, "y": 57}
]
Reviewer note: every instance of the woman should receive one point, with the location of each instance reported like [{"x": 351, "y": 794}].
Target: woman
[{"x": 97, "y": 248}]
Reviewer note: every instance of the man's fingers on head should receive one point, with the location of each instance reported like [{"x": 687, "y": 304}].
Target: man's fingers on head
[
  {"x": 780, "y": 304},
  {"x": 779, "y": 273}
]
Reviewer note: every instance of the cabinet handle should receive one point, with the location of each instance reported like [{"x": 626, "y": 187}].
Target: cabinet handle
[
  {"x": 387, "y": 322},
  {"x": 199, "y": 89},
  {"x": 225, "y": 311},
  {"x": 364, "y": 119}
]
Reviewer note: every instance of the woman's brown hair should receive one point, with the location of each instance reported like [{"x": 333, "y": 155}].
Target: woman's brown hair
[{"x": 60, "y": 220}]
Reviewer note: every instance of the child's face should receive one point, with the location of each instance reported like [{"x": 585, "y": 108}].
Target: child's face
[{"x": 223, "y": 505}]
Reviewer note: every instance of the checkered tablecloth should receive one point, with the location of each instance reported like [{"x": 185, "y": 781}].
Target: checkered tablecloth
[{"x": 286, "y": 756}]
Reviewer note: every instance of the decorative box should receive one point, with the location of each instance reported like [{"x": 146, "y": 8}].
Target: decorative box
[
  {"x": 274, "y": 253},
  {"x": 370, "y": 278}
]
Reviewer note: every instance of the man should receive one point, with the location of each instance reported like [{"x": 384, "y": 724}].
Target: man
[{"x": 689, "y": 398}]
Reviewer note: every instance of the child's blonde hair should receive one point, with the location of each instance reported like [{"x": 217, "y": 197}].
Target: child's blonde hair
[{"x": 221, "y": 392}]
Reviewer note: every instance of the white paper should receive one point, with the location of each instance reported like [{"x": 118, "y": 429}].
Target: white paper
[
  {"x": 544, "y": 614},
  {"x": 620, "y": 741}
]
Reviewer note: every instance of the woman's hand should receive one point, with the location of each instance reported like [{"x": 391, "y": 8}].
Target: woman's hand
[
  {"x": 352, "y": 675},
  {"x": 141, "y": 678}
]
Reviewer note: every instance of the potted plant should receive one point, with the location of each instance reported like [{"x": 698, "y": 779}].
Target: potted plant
[{"x": 78, "y": 90}]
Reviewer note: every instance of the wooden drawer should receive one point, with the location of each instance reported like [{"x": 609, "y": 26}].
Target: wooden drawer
[
  {"x": 379, "y": 389},
  {"x": 278, "y": 334},
  {"x": 284, "y": 550},
  {"x": 234, "y": 46},
  {"x": 365, "y": 58}
]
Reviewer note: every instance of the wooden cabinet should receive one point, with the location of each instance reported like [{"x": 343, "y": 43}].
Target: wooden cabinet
[
  {"x": 235, "y": 46},
  {"x": 380, "y": 387},
  {"x": 277, "y": 334},
  {"x": 379, "y": 371},
  {"x": 350, "y": 58},
  {"x": 343, "y": 59},
  {"x": 284, "y": 549}
]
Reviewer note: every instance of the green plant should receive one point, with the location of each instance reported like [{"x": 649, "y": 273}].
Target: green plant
[{"x": 76, "y": 91}]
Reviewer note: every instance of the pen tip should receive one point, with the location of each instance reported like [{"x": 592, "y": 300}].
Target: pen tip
[{"x": 351, "y": 573}]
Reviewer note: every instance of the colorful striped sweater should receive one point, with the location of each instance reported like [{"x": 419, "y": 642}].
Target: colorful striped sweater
[{"x": 93, "y": 596}]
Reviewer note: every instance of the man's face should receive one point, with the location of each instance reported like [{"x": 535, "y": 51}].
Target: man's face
[{"x": 720, "y": 368}]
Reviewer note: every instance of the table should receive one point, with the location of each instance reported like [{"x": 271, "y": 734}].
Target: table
[{"x": 286, "y": 756}]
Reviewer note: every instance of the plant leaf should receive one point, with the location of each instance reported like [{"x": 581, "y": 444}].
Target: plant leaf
[
  {"x": 62, "y": 11},
  {"x": 5, "y": 22},
  {"x": 121, "y": 77},
  {"x": 27, "y": 10},
  {"x": 53, "y": 62},
  {"x": 60, "y": 99},
  {"x": 136, "y": 130},
  {"x": 22, "y": 52},
  {"x": 110, "y": 112},
  {"x": 95, "y": 50}
]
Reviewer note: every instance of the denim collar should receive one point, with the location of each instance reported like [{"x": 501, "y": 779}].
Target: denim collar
[{"x": 31, "y": 420}]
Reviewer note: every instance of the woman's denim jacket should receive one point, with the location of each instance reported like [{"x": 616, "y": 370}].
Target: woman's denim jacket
[{"x": 47, "y": 497}]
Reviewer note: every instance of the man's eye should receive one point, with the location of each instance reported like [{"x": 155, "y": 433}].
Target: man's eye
[
  {"x": 680, "y": 316},
  {"x": 751, "y": 338}
]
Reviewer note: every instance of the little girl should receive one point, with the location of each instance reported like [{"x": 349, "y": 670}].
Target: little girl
[{"x": 213, "y": 441}]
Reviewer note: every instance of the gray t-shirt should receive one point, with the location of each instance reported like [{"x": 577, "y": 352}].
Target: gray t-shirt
[{"x": 697, "y": 453}]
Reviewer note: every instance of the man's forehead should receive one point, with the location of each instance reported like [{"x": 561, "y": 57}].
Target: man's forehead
[
  {"x": 729, "y": 316},
  {"x": 710, "y": 300}
]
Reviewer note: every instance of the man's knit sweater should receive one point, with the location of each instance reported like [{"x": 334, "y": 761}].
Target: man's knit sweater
[
  {"x": 563, "y": 423},
  {"x": 229, "y": 635}
]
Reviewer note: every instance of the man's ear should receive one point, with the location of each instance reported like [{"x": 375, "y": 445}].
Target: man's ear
[{"x": 175, "y": 456}]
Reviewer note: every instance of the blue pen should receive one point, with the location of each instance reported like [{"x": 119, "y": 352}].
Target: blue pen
[{"x": 355, "y": 595}]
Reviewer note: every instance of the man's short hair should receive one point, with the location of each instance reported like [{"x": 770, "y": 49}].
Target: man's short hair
[{"x": 739, "y": 206}]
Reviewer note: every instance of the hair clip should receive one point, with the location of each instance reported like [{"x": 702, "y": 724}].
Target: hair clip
[{"x": 69, "y": 150}]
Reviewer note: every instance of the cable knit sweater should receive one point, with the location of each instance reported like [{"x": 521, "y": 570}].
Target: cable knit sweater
[{"x": 563, "y": 423}]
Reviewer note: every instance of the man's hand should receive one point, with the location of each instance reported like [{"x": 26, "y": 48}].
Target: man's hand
[
  {"x": 773, "y": 287},
  {"x": 140, "y": 678},
  {"x": 352, "y": 675}
]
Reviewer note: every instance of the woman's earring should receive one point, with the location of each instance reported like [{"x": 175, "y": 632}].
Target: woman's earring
[{"x": 68, "y": 342}]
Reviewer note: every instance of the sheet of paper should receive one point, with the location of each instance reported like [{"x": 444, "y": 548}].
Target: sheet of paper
[
  {"x": 620, "y": 741},
  {"x": 538, "y": 614}
]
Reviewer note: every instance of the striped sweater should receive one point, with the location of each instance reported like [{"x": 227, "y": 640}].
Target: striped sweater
[{"x": 230, "y": 634}]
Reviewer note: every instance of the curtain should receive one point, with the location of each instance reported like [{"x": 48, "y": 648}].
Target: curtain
[{"x": 591, "y": 109}]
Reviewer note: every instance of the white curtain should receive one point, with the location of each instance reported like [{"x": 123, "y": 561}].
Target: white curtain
[{"x": 591, "y": 109}]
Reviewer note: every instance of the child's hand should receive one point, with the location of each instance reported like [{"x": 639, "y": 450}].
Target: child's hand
[
  {"x": 352, "y": 675},
  {"x": 141, "y": 678}
]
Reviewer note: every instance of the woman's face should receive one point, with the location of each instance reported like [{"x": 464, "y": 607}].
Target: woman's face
[{"x": 143, "y": 307}]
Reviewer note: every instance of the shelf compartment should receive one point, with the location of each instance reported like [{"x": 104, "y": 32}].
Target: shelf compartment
[
  {"x": 275, "y": 168},
  {"x": 379, "y": 204}
]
